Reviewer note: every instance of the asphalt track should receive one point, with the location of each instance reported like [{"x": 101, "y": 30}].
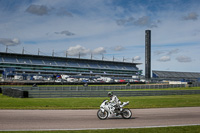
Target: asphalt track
[{"x": 28, "y": 120}]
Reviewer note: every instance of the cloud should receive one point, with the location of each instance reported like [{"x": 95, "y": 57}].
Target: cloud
[
  {"x": 164, "y": 59},
  {"x": 158, "y": 52},
  {"x": 78, "y": 50},
  {"x": 125, "y": 21},
  {"x": 63, "y": 12},
  {"x": 118, "y": 48},
  {"x": 143, "y": 21},
  {"x": 174, "y": 51},
  {"x": 168, "y": 52},
  {"x": 100, "y": 50},
  {"x": 39, "y": 10},
  {"x": 183, "y": 59},
  {"x": 191, "y": 16},
  {"x": 196, "y": 32},
  {"x": 9, "y": 42},
  {"x": 65, "y": 32},
  {"x": 136, "y": 58}
]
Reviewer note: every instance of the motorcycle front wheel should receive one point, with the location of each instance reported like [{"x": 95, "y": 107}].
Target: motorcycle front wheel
[
  {"x": 102, "y": 115},
  {"x": 126, "y": 113}
]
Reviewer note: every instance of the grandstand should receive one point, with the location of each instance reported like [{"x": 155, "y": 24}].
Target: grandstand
[
  {"x": 172, "y": 75},
  {"x": 27, "y": 65}
]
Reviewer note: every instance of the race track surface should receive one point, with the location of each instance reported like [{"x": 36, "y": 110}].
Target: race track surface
[{"x": 23, "y": 120}]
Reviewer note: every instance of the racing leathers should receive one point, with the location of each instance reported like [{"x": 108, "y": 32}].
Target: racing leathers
[{"x": 115, "y": 103}]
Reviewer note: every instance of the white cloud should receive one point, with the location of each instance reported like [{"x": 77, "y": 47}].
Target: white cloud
[
  {"x": 164, "y": 59},
  {"x": 39, "y": 10},
  {"x": 82, "y": 51},
  {"x": 191, "y": 16},
  {"x": 78, "y": 50},
  {"x": 63, "y": 12},
  {"x": 96, "y": 24},
  {"x": 183, "y": 59},
  {"x": 174, "y": 51},
  {"x": 118, "y": 48},
  {"x": 143, "y": 21},
  {"x": 100, "y": 50},
  {"x": 167, "y": 52},
  {"x": 158, "y": 52},
  {"x": 65, "y": 32},
  {"x": 136, "y": 58},
  {"x": 9, "y": 42},
  {"x": 129, "y": 20}
]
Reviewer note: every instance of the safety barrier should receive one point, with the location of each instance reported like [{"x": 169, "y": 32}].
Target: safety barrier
[
  {"x": 99, "y": 91},
  {"x": 64, "y": 94},
  {"x": 102, "y": 88},
  {"x": 13, "y": 92}
]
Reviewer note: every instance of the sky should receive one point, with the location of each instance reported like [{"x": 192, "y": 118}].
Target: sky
[{"x": 105, "y": 29}]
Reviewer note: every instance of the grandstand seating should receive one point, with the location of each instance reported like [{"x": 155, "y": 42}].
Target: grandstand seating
[
  {"x": 24, "y": 60},
  {"x": 37, "y": 62},
  {"x": 175, "y": 75},
  {"x": 10, "y": 59},
  {"x": 62, "y": 65},
  {"x": 72, "y": 64},
  {"x": 66, "y": 63},
  {"x": 112, "y": 66},
  {"x": 92, "y": 65},
  {"x": 50, "y": 62}
]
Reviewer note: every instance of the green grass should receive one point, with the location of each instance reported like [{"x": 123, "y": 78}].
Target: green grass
[
  {"x": 94, "y": 103},
  {"x": 182, "y": 129}
]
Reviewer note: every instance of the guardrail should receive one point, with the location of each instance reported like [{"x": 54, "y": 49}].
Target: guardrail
[
  {"x": 102, "y": 88},
  {"x": 101, "y": 91},
  {"x": 64, "y": 94},
  {"x": 13, "y": 92}
]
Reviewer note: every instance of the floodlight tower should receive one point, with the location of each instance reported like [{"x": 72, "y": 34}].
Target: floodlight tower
[{"x": 148, "y": 54}]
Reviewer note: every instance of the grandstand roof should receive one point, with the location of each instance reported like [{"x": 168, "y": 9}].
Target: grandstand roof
[
  {"x": 62, "y": 58},
  {"x": 64, "y": 65},
  {"x": 174, "y": 74}
]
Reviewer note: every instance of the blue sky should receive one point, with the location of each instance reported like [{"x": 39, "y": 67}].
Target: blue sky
[{"x": 112, "y": 28}]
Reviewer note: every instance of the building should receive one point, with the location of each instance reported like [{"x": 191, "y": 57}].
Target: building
[
  {"x": 26, "y": 66},
  {"x": 177, "y": 76}
]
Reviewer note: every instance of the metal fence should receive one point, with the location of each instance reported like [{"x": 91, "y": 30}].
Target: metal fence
[
  {"x": 101, "y": 91},
  {"x": 64, "y": 94},
  {"x": 101, "y": 88}
]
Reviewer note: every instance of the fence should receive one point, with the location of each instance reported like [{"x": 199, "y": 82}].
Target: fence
[
  {"x": 13, "y": 92},
  {"x": 64, "y": 94},
  {"x": 101, "y": 88},
  {"x": 101, "y": 91}
]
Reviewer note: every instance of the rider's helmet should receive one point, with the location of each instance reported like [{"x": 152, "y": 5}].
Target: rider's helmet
[{"x": 110, "y": 94}]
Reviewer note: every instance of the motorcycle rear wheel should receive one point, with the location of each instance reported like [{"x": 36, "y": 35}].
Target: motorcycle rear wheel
[
  {"x": 102, "y": 115},
  {"x": 126, "y": 113}
]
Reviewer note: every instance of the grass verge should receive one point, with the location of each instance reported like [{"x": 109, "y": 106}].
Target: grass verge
[
  {"x": 94, "y": 103},
  {"x": 181, "y": 129}
]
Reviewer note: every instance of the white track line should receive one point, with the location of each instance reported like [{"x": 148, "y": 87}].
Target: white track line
[{"x": 99, "y": 128}]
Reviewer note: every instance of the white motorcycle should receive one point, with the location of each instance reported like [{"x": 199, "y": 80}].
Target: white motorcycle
[{"x": 106, "y": 109}]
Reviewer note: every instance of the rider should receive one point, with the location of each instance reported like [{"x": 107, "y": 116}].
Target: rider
[{"x": 114, "y": 102}]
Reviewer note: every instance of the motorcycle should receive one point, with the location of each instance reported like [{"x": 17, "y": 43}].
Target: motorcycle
[{"x": 106, "y": 109}]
